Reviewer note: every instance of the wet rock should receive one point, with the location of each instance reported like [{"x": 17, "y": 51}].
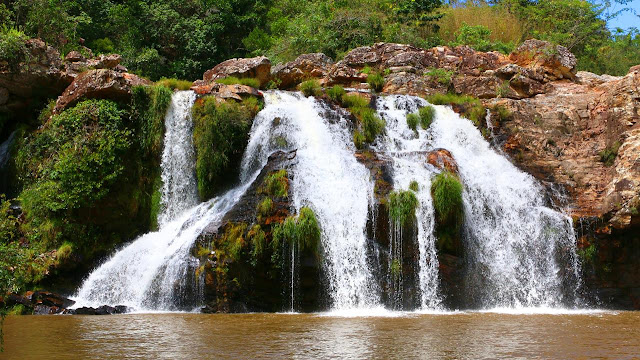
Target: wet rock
[
  {"x": 257, "y": 67},
  {"x": 221, "y": 91},
  {"x": 102, "y": 310},
  {"x": 315, "y": 65},
  {"x": 442, "y": 159},
  {"x": 99, "y": 84}
]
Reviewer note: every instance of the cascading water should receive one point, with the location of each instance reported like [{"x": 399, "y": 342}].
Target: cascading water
[
  {"x": 152, "y": 273},
  {"x": 4, "y": 150},
  {"x": 520, "y": 252},
  {"x": 179, "y": 190},
  {"x": 406, "y": 148},
  {"x": 327, "y": 178}
]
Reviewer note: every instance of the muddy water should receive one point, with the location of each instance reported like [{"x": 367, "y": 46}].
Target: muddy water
[{"x": 282, "y": 336}]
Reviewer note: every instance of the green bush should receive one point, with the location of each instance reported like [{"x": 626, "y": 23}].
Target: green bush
[
  {"x": 175, "y": 84},
  {"x": 232, "y": 80},
  {"x": 609, "y": 154},
  {"x": 375, "y": 81},
  {"x": 426, "y": 113},
  {"x": 12, "y": 47},
  {"x": 354, "y": 101},
  {"x": 412, "y": 121},
  {"x": 276, "y": 184},
  {"x": 442, "y": 76},
  {"x": 372, "y": 125},
  {"x": 414, "y": 186},
  {"x": 402, "y": 206},
  {"x": 446, "y": 191},
  {"x": 310, "y": 88},
  {"x": 302, "y": 230},
  {"x": 336, "y": 93},
  {"x": 220, "y": 135},
  {"x": 64, "y": 251}
]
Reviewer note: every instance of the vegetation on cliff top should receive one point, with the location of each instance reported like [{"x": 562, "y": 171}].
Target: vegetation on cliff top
[{"x": 183, "y": 39}]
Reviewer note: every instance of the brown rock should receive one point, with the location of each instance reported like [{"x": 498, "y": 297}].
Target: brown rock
[
  {"x": 442, "y": 159},
  {"x": 556, "y": 61},
  {"x": 74, "y": 56},
  {"x": 315, "y": 65},
  {"x": 99, "y": 84},
  {"x": 236, "y": 91},
  {"x": 257, "y": 67}
]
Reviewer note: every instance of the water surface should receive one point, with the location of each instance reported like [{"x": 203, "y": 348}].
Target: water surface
[{"x": 302, "y": 336}]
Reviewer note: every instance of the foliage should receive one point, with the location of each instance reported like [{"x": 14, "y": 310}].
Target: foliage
[
  {"x": 609, "y": 154},
  {"x": 446, "y": 191},
  {"x": 358, "y": 139},
  {"x": 354, "y": 101},
  {"x": 220, "y": 134},
  {"x": 442, "y": 76},
  {"x": 502, "y": 112},
  {"x": 588, "y": 254},
  {"x": 174, "y": 84},
  {"x": 414, "y": 186},
  {"x": 504, "y": 26},
  {"x": 310, "y": 87},
  {"x": 426, "y": 114},
  {"x": 375, "y": 81},
  {"x": 265, "y": 207},
  {"x": 478, "y": 37},
  {"x": 336, "y": 93},
  {"x": 412, "y": 121},
  {"x": 258, "y": 243},
  {"x": 276, "y": 184},
  {"x": 302, "y": 231},
  {"x": 402, "y": 206},
  {"x": 12, "y": 47},
  {"x": 372, "y": 125},
  {"x": 395, "y": 267},
  {"x": 470, "y": 107},
  {"x": 64, "y": 251},
  {"x": 232, "y": 80},
  {"x": 149, "y": 105}
]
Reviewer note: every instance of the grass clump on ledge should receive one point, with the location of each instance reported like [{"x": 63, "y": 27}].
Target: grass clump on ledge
[
  {"x": 469, "y": 106},
  {"x": 276, "y": 184},
  {"x": 220, "y": 134},
  {"x": 375, "y": 81},
  {"x": 424, "y": 117},
  {"x": 310, "y": 87},
  {"x": 609, "y": 154},
  {"x": 412, "y": 121},
  {"x": 446, "y": 191},
  {"x": 414, "y": 186},
  {"x": 12, "y": 47},
  {"x": 232, "y": 80},
  {"x": 174, "y": 84},
  {"x": 402, "y": 206},
  {"x": 336, "y": 93},
  {"x": 302, "y": 231}
]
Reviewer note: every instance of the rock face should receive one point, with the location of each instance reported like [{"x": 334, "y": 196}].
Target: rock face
[
  {"x": 442, "y": 159},
  {"x": 315, "y": 65},
  {"x": 554, "y": 61},
  {"x": 99, "y": 84},
  {"x": 257, "y": 67},
  {"x": 224, "y": 92}
]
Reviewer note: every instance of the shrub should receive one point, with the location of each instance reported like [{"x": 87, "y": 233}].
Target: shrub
[
  {"x": 336, "y": 93},
  {"x": 310, "y": 87},
  {"x": 609, "y": 154},
  {"x": 442, "y": 76},
  {"x": 402, "y": 206},
  {"x": 276, "y": 184},
  {"x": 232, "y": 80},
  {"x": 302, "y": 230},
  {"x": 426, "y": 113},
  {"x": 375, "y": 81},
  {"x": 372, "y": 125},
  {"x": 412, "y": 121},
  {"x": 175, "y": 84},
  {"x": 354, "y": 101},
  {"x": 64, "y": 251},
  {"x": 502, "y": 112},
  {"x": 503, "y": 25},
  {"x": 220, "y": 134},
  {"x": 446, "y": 191},
  {"x": 265, "y": 207},
  {"x": 12, "y": 47},
  {"x": 504, "y": 89}
]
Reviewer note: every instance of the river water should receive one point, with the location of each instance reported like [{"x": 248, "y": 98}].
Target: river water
[{"x": 472, "y": 335}]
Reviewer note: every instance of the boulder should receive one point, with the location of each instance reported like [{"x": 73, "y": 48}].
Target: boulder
[
  {"x": 236, "y": 91},
  {"x": 99, "y": 84},
  {"x": 74, "y": 56},
  {"x": 443, "y": 160},
  {"x": 257, "y": 67},
  {"x": 555, "y": 61},
  {"x": 316, "y": 65}
]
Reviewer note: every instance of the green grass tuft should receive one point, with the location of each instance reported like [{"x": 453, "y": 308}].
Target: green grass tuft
[
  {"x": 413, "y": 186},
  {"x": 402, "y": 206},
  {"x": 609, "y": 154},
  {"x": 412, "y": 121},
  {"x": 446, "y": 191},
  {"x": 232, "y": 80},
  {"x": 375, "y": 81},
  {"x": 426, "y": 114},
  {"x": 174, "y": 84},
  {"x": 310, "y": 88},
  {"x": 276, "y": 184},
  {"x": 336, "y": 93}
]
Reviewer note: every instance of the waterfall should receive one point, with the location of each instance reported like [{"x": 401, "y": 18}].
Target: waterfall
[
  {"x": 517, "y": 246},
  {"x": 154, "y": 272},
  {"x": 406, "y": 149},
  {"x": 4, "y": 150},
  {"x": 179, "y": 184},
  {"x": 327, "y": 178}
]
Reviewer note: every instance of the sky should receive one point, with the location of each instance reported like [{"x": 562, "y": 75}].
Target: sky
[{"x": 627, "y": 19}]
